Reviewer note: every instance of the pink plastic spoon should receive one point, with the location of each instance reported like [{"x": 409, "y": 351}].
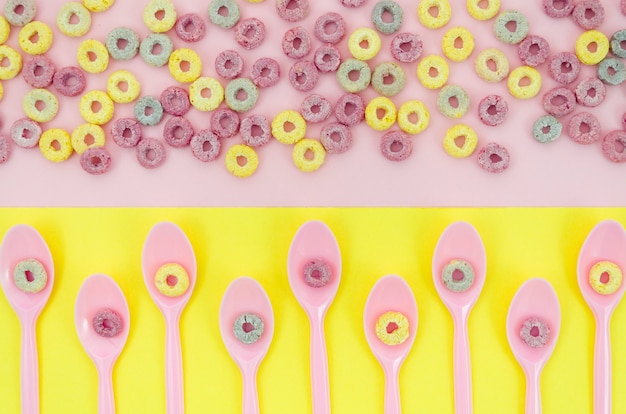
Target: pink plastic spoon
[
  {"x": 166, "y": 243},
  {"x": 534, "y": 299},
  {"x": 460, "y": 241},
  {"x": 315, "y": 240},
  {"x": 390, "y": 294},
  {"x": 245, "y": 295},
  {"x": 607, "y": 241},
  {"x": 24, "y": 242},
  {"x": 101, "y": 292}
]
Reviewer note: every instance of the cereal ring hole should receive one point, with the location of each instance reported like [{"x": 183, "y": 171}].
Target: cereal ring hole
[
  {"x": 391, "y": 327},
  {"x": 584, "y": 128},
  {"x": 250, "y": 32},
  {"x": 406, "y": 47},
  {"x": 178, "y": 132},
  {"x": 335, "y": 136},
  {"x": 354, "y": 75},
  {"x": 495, "y": 158},
  {"x": 453, "y": 101},
  {"x": 558, "y": 100},
  {"x": 364, "y": 44},
  {"x": 27, "y": 133},
  {"x": 458, "y": 43},
  {"x": 458, "y": 275},
  {"x": 492, "y": 110},
  {"x": 55, "y": 145},
  {"x": 619, "y": 146},
  {"x": 559, "y": 4},
  {"x": 288, "y": 126},
  {"x": 184, "y": 65},
  {"x": 491, "y": 65},
  {"x": 386, "y": 16},
  {"x": 297, "y": 42},
  {"x": 533, "y": 49},
  {"x": 413, "y": 118},
  {"x": 396, "y": 146},
  {"x": 207, "y": 146},
  {"x": 459, "y": 142},
  {"x": 433, "y": 72},
  {"x": 121, "y": 43},
  {"x": 434, "y": 11},
  {"x": 566, "y": 67},
  {"x": 242, "y": 161},
  {"x": 38, "y": 71},
  {"x": 604, "y": 278},
  {"x": 96, "y": 107},
  {"x": 34, "y": 38},
  {"x": 92, "y": 56},
  {"x": 74, "y": 19},
  {"x": 511, "y": 26},
  {"x": 157, "y": 49},
  {"x": 525, "y": 81},
  {"x": 546, "y": 129},
  {"x": 40, "y": 105},
  {"x": 256, "y": 131},
  {"x": 592, "y": 47},
  {"x": 349, "y": 108},
  {"x": 148, "y": 110},
  {"x": 171, "y": 280},
  {"x": 29, "y": 276},
  {"x": 95, "y": 161},
  {"x": 534, "y": 331},
  {"x": 89, "y": 140},
  {"x": 242, "y": 95},
  {"x": 223, "y": 11},
  {"x": 19, "y": 9},
  {"x": 292, "y": 5},
  {"x": 330, "y": 27},
  {"x": 381, "y": 113},
  {"x": 107, "y": 324},
  {"x": 247, "y": 327},
  {"x": 388, "y": 79},
  {"x": 151, "y": 156},
  {"x": 159, "y": 14},
  {"x": 483, "y": 4},
  {"x": 611, "y": 71},
  {"x": 589, "y": 13},
  {"x": 5, "y": 63}
]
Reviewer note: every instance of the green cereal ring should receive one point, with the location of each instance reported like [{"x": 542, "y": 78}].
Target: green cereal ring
[
  {"x": 92, "y": 49},
  {"x": 229, "y": 18},
  {"x": 40, "y": 97},
  {"x": 388, "y": 71},
  {"x": 504, "y": 34},
  {"x": 75, "y": 10},
  {"x": 391, "y": 7},
  {"x": 141, "y": 111},
  {"x": 453, "y": 283},
  {"x": 248, "y": 328},
  {"x": 446, "y": 98},
  {"x": 30, "y": 276},
  {"x": 547, "y": 129},
  {"x": 616, "y": 43},
  {"x": 237, "y": 86},
  {"x": 153, "y": 11},
  {"x": 122, "y": 43},
  {"x": 20, "y": 12},
  {"x": 354, "y": 65},
  {"x": 148, "y": 45},
  {"x": 15, "y": 62},
  {"x": 612, "y": 71}
]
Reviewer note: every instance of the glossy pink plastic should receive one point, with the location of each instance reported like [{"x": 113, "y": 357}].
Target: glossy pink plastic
[
  {"x": 315, "y": 240},
  {"x": 607, "y": 241},
  {"x": 167, "y": 243},
  {"x": 390, "y": 293},
  {"x": 534, "y": 299},
  {"x": 100, "y": 292},
  {"x": 460, "y": 241},
  {"x": 245, "y": 295},
  {"x": 24, "y": 242}
]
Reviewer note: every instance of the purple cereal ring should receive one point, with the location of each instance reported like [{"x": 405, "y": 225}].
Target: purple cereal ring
[
  {"x": 107, "y": 323},
  {"x": 396, "y": 146},
  {"x": 255, "y": 130},
  {"x": 330, "y": 28},
  {"x": 336, "y": 138},
  {"x": 564, "y": 67},
  {"x": 177, "y": 132},
  {"x": 250, "y": 33},
  {"x": 175, "y": 101},
  {"x": 351, "y": 4},
  {"x": 225, "y": 123},
  {"x": 5, "y": 149},
  {"x": 126, "y": 132},
  {"x": 590, "y": 92},
  {"x": 25, "y": 133},
  {"x": 265, "y": 72},
  {"x": 69, "y": 81},
  {"x": 190, "y": 27},
  {"x": 292, "y": 10},
  {"x": 327, "y": 58},
  {"x": 613, "y": 145},
  {"x": 38, "y": 72},
  {"x": 584, "y": 128},
  {"x": 406, "y": 47},
  {"x": 559, "y": 101},
  {"x": 493, "y": 158},
  {"x": 150, "y": 153},
  {"x": 296, "y": 43},
  {"x": 350, "y": 109},
  {"x": 588, "y": 14},
  {"x": 315, "y": 108},
  {"x": 303, "y": 75},
  {"x": 205, "y": 145},
  {"x": 229, "y": 64},
  {"x": 95, "y": 160},
  {"x": 564, "y": 9},
  {"x": 492, "y": 110},
  {"x": 533, "y": 50}
]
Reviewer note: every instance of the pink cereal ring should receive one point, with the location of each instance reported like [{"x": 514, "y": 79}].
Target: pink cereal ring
[
  {"x": 292, "y": 10},
  {"x": 564, "y": 67},
  {"x": 493, "y": 158},
  {"x": 190, "y": 27},
  {"x": 350, "y": 109},
  {"x": 250, "y": 33},
  {"x": 265, "y": 72},
  {"x": 225, "y": 123},
  {"x": 315, "y": 108},
  {"x": 330, "y": 28},
  {"x": 38, "y": 72},
  {"x": 327, "y": 58},
  {"x": 559, "y": 101},
  {"x": 5, "y": 149},
  {"x": 126, "y": 132},
  {"x": 205, "y": 145},
  {"x": 175, "y": 101},
  {"x": 588, "y": 14},
  {"x": 303, "y": 75},
  {"x": 351, "y": 4},
  {"x": 150, "y": 153},
  {"x": 25, "y": 133},
  {"x": 406, "y": 47},
  {"x": 533, "y": 50},
  {"x": 584, "y": 128},
  {"x": 229, "y": 64},
  {"x": 296, "y": 43},
  {"x": 613, "y": 145},
  {"x": 590, "y": 92},
  {"x": 255, "y": 131},
  {"x": 336, "y": 138},
  {"x": 95, "y": 160},
  {"x": 564, "y": 9},
  {"x": 177, "y": 132},
  {"x": 69, "y": 81},
  {"x": 396, "y": 146}
]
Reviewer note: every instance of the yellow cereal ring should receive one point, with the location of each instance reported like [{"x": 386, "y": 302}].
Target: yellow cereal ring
[
  {"x": 87, "y": 136},
  {"x": 35, "y": 38},
  {"x": 433, "y": 71},
  {"x": 15, "y": 62},
  {"x": 524, "y": 91},
  {"x": 75, "y": 10},
  {"x": 465, "y": 133},
  {"x": 98, "y": 5},
  {"x": 479, "y": 13},
  {"x": 153, "y": 10},
  {"x": 411, "y": 109},
  {"x": 444, "y": 12},
  {"x": 115, "y": 88},
  {"x": 609, "y": 285},
  {"x": 241, "y": 160},
  {"x": 282, "y": 121},
  {"x": 449, "y": 41},
  {"x": 392, "y": 328},
  {"x": 199, "y": 101},
  {"x": 495, "y": 72},
  {"x": 55, "y": 144},
  {"x": 5, "y": 29},
  {"x": 380, "y": 113},
  {"x": 1, "y": 91},
  {"x": 89, "y": 110},
  {"x": 179, "y": 59},
  {"x": 585, "y": 41},
  {"x": 364, "y": 43},
  {"x": 300, "y": 154},
  {"x": 40, "y": 105},
  {"x": 92, "y": 56},
  {"x": 171, "y": 280}
]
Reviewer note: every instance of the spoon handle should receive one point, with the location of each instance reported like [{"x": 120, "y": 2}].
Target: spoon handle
[
  {"x": 29, "y": 366},
  {"x": 533, "y": 391},
  {"x": 175, "y": 400},
  {"x": 602, "y": 368},
  {"x": 462, "y": 367},
  {"x": 392, "y": 390},
  {"x": 106, "y": 400},
  {"x": 319, "y": 368},
  {"x": 250, "y": 395}
]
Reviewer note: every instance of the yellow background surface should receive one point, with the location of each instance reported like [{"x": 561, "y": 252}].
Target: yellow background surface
[{"x": 520, "y": 244}]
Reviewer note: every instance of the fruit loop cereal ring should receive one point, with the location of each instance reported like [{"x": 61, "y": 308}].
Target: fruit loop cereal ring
[
  {"x": 126, "y": 132},
  {"x": 359, "y": 82},
  {"x": 225, "y": 123},
  {"x": 190, "y": 27},
  {"x": 255, "y": 131},
  {"x": 122, "y": 43},
  {"x": 206, "y": 103},
  {"x": 452, "y": 281},
  {"x": 317, "y": 272},
  {"x": 493, "y": 158},
  {"x": 250, "y": 33},
  {"x": 406, "y": 47},
  {"x": 453, "y": 101},
  {"x": 327, "y": 58},
  {"x": 591, "y": 47},
  {"x": 396, "y": 12},
  {"x": 296, "y": 43},
  {"x": 156, "y": 49},
  {"x": 350, "y": 109},
  {"x": 248, "y": 328},
  {"x": 175, "y": 101},
  {"x": 616, "y": 43},
  {"x": 288, "y": 127},
  {"x": 96, "y": 107},
  {"x": 622, "y": 6},
  {"x": 98, "y": 5},
  {"x": 564, "y": 67},
  {"x": 96, "y": 160},
  {"x": 40, "y": 98},
  {"x": 177, "y": 132},
  {"x": 123, "y": 87},
  {"x": 524, "y": 82},
  {"x": 159, "y": 15},
  {"x": 229, "y": 64},
  {"x": 463, "y": 133},
  {"x": 107, "y": 323},
  {"x": 303, "y": 75},
  {"x": 150, "y": 153},
  {"x": 5, "y": 149},
  {"x": 56, "y": 145},
  {"x": 5, "y": 29},
  {"x": 479, "y": 13},
  {"x": 35, "y": 38},
  {"x": 30, "y": 276},
  {"x": 413, "y": 117},
  {"x": 590, "y": 92},
  {"x": 308, "y": 146},
  {"x": 241, "y": 160},
  {"x": 612, "y": 71},
  {"x": 205, "y": 145},
  {"x": 69, "y": 81},
  {"x": 148, "y": 111},
  {"x": 533, "y": 51},
  {"x": 92, "y": 56},
  {"x": 564, "y": 9},
  {"x": 74, "y": 20},
  {"x": 439, "y": 17},
  {"x": 547, "y": 129},
  {"x": 352, "y": 3},
  {"x": 336, "y": 138},
  {"x": 38, "y": 72},
  {"x": 624, "y": 121},
  {"x": 25, "y": 133},
  {"x": 185, "y": 65},
  {"x": 517, "y": 33},
  {"x": 396, "y": 146},
  {"x": 535, "y": 332},
  {"x": 315, "y": 108},
  {"x": 265, "y": 72},
  {"x": 380, "y": 113},
  {"x": 449, "y": 44},
  {"x": 433, "y": 71},
  {"x": 392, "y": 328},
  {"x": 588, "y": 14},
  {"x": 241, "y": 94},
  {"x": 15, "y": 63},
  {"x": 605, "y": 277},
  {"x": 491, "y": 65},
  {"x": 87, "y": 136},
  {"x": 292, "y": 10},
  {"x": 364, "y": 43},
  {"x": 171, "y": 280},
  {"x": 492, "y": 110},
  {"x": 330, "y": 28},
  {"x": 20, "y": 12},
  {"x": 584, "y": 128},
  {"x": 388, "y": 79},
  {"x": 559, "y": 101},
  {"x": 230, "y": 15},
  {"x": 610, "y": 144}
]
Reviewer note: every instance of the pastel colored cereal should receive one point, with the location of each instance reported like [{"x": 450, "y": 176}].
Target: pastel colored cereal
[
  {"x": 327, "y": 58},
  {"x": 288, "y": 127},
  {"x": 117, "y": 92},
  {"x": 241, "y": 160},
  {"x": 416, "y": 109},
  {"x": 564, "y": 9},
  {"x": 126, "y": 132},
  {"x": 56, "y": 145},
  {"x": 25, "y": 133},
  {"x": 330, "y": 28},
  {"x": 234, "y": 91},
  {"x": 14, "y": 62},
  {"x": 503, "y": 33},
  {"x": 564, "y": 67},
  {"x": 255, "y": 130},
  {"x": 437, "y": 19},
  {"x": 317, "y": 272},
  {"x": 296, "y": 42},
  {"x": 38, "y": 72},
  {"x": 96, "y": 160},
  {"x": 449, "y": 44},
  {"x": 292, "y": 10},
  {"x": 584, "y": 128},
  {"x": 520, "y": 90},
  {"x": 483, "y": 13},
  {"x": 69, "y": 81},
  {"x": 229, "y": 64},
  {"x": 584, "y": 47},
  {"x": 92, "y": 56},
  {"x": 250, "y": 33},
  {"x": 468, "y": 137},
  {"x": 230, "y": 15},
  {"x": 148, "y": 110},
  {"x": 248, "y": 328},
  {"x": 20, "y": 12},
  {"x": 206, "y": 103},
  {"x": 5, "y": 29},
  {"x": 97, "y": 6},
  {"x": 172, "y": 280},
  {"x": 225, "y": 123},
  {"x": 350, "y": 109},
  {"x": 175, "y": 101},
  {"x": 30, "y": 275},
  {"x": 406, "y": 47},
  {"x": 396, "y": 146},
  {"x": 122, "y": 43},
  {"x": 351, "y": 4},
  {"x": 605, "y": 277},
  {"x": 66, "y": 23},
  {"x": 590, "y": 92},
  {"x": 493, "y": 158},
  {"x": 5, "y": 149},
  {"x": 107, "y": 323},
  {"x": 559, "y": 101},
  {"x": 96, "y": 107},
  {"x": 392, "y": 328},
  {"x": 205, "y": 145},
  {"x": 35, "y": 38},
  {"x": 150, "y": 153},
  {"x": 336, "y": 138},
  {"x": 87, "y": 136},
  {"x": 364, "y": 43},
  {"x": 588, "y": 14},
  {"x": 493, "y": 110},
  {"x": 265, "y": 72},
  {"x": 159, "y": 15},
  {"x": 527, "y": 53},
  {"x": 303, "y": 75},
  {"x": 500, "y": 68},
  {"x": 40, "y": 98},
  {"x": 312, "y": 146},
  {"x": 152, "y": 42},
  {"x": 380, "y": 113},
  {"x": 362, "y": 80},
  {"x": 433, "y": 71},
  {"x": 388, "y": 79},
  {"x": 453, "y": 282},
  {"x": 315, "y": 108},
  {"x": 612, "y": 71},
  {"x": 547, "y": 129},
  {"x": 396, "y": 12},
  {"x": 617, "y": 39},
  {"x": 185, "y": 65},
  {"x": 535, "y": 332},
  {"x": 613, "y": 144},
  {"x": 190, "y": 27},
  {"x": 177, "y": 132},
  {"x": 453, "y": 101}
]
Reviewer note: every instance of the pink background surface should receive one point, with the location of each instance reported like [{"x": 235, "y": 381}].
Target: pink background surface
[{"x": 561, "y": 173}]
